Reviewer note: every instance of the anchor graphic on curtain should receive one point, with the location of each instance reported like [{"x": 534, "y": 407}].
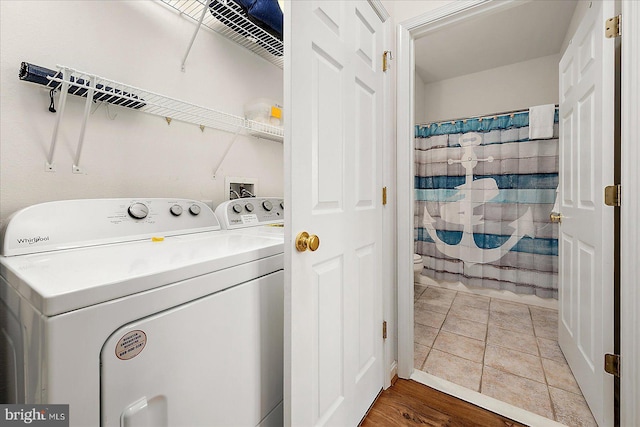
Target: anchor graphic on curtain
[{"x": 471, "y": 194}]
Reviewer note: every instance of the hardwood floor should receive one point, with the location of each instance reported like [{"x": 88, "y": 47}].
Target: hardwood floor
[{"x": 408, "y": 403}]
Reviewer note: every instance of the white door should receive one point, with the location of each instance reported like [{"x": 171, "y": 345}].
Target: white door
[
  {"x": 586, "y": 232},
  {"x": 333, "y": 306}
]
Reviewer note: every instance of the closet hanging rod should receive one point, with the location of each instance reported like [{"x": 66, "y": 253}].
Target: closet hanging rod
[{"x": 483, "y": 116}]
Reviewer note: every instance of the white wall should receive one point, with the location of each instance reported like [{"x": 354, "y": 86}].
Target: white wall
[
  {"x": 420, "y": 99},
  {"x": 512, "y": 87},
  {"x": 140, "y": 43}
]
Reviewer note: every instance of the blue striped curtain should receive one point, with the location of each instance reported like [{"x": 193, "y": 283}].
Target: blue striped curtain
[{"x": 483, "y": 195}]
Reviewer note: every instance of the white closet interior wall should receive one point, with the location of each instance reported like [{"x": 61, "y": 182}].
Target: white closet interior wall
[{"x": 133, "y": 155}]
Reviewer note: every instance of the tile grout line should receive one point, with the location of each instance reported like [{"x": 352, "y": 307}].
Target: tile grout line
[
  {"x": 439, "y": 329},
  {"x": 453, "y": 333},
  {"x": 424, "y": 362},
  {"x": 486, "y": 339},
  {"x": 538, "y": 351},
  {"x": 445, "y": 319},
  {"x": 544, "y": 371}
]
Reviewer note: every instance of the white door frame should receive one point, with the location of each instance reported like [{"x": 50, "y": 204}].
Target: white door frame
[
  {"x": 630, "y": 217},
  {"x": 407, "y": 32},
  {"x": 388, "y": 211}
]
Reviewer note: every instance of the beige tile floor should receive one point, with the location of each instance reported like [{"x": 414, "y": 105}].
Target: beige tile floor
[{"x": 505, "y": 350}]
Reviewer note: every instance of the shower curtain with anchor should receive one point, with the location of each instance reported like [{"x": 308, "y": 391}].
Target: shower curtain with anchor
[{"x": 483, "y": 195}]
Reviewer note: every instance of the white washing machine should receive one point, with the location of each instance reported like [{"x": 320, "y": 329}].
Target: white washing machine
[
  {"x": 253, "y": 215},
  {"x": 141, "y": 313}
]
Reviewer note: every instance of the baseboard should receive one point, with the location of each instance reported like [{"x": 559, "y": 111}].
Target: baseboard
[{"x": 393, "y": 372}]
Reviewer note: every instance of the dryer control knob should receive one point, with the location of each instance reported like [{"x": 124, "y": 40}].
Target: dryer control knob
[
  {"x": 237, "y": 208},
  {"x": 249, "y": 207},
  {"x": 267, "y": 205},
  {"x": 194, "y": 209},
  {"x": 176, "y": 210},
  {"x": 138, "y": 210}
]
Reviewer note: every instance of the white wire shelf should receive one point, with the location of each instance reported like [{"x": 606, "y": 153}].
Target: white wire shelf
[
  {"x": 100, "y": 89},
  {"x": 228, "y": 20}
]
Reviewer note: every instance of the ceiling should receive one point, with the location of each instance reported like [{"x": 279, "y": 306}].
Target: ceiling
[{"x": 526, "y": 31}]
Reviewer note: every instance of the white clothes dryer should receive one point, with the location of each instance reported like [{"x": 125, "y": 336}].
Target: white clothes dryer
[{"x": 141, "y": 313}]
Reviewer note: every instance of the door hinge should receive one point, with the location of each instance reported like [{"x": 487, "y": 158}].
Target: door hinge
[
  {"x": 613, "y": 27},
  {"x": 612, "y": 364},
  {"x": 384, "y": 329},
  {"x": 612, "y": 195},
  {"x": 386, "y": 57},
  {"x": 384, "y": 196}
]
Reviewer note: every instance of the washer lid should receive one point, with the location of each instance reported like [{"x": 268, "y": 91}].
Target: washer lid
[{"x": 65, "y": 280}]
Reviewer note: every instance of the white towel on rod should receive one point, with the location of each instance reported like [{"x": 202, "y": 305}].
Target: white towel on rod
[{"x": 541, "y": 121}]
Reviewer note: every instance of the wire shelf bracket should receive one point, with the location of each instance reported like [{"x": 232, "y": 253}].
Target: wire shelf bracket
[
  {"x": 49, "y": 165},
  {"x": 193, "y": 38},
  {"x": 87, "y": 109},
  {"x": 99, "y": 89}
]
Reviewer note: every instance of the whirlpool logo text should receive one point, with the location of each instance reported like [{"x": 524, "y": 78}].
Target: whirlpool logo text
[{"x": 32, "y": 240}]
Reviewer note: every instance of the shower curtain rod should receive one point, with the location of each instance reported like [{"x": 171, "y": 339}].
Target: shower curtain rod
[{"x": 485, "y": 116}]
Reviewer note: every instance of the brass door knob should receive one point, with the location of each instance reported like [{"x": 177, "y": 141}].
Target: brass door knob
[
  {"x": 556, "y": 217},
  {"x": 305, "y": 241}
]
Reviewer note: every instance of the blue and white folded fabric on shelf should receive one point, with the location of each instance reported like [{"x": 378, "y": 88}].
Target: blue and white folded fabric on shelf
[
  {"x": 265, "y": 14},
  {"x": 79, "y": 87}
]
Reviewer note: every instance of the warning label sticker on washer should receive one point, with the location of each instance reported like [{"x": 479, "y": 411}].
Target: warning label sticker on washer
[
  {"x": 131, "y": 345},
  {"x": 250, "y": 219}
]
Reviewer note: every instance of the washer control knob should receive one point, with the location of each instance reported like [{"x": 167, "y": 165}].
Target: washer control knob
[
  {"x": 138, "y": 210},
  {"x": 237, "y": 208},
  {"x": 282, "y": 205},
  {"x": 194, "y": 209},
  {"x": 249, "y": 207},
  {"x": 267, "y": 205},
  {"x": 176, "y": 210}
]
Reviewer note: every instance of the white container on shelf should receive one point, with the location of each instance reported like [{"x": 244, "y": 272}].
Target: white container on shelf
[{"x": 264, "y": 110}]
